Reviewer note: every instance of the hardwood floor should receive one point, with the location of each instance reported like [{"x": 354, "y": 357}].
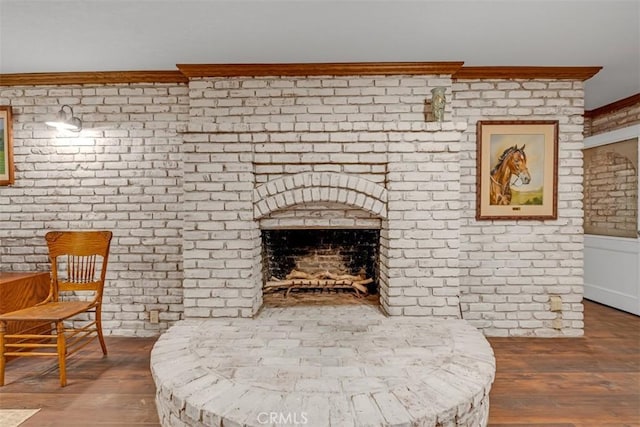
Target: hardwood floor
[
  {"x": 116, "y": 390},
  {"x": 589, "y": 381},
  {"x": 567, "y": 382}
]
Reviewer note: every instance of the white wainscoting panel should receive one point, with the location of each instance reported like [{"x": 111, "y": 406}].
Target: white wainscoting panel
[{"x": 611, "y": 275}]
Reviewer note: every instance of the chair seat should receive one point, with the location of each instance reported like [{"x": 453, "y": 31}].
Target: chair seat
[{"x": 49, "y": 312}]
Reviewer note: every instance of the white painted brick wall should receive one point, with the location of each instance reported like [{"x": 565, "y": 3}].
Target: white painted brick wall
[
  {"x": 310, "y": 104},
  {"x": 288, "y": 130},
  {"x": 123, "y": 172},
  {"x": 320, "y": 215},
  {"x": 420, "y": 261},
  {"x": 220, "y": 236},
  {"x": 421, "y": 169},
  {"x": 510, "y": 268}
]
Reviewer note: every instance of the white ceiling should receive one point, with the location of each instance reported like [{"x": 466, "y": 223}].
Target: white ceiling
[{"x": 105, "y": 35}]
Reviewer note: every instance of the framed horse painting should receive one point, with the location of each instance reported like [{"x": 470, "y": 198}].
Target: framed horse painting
[
  {"x": 6, "y": 147},
  {"x": 517, "y": 170}
]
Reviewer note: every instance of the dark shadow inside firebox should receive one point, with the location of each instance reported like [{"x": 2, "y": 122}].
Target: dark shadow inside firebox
[{"x": 320, "y": 266}]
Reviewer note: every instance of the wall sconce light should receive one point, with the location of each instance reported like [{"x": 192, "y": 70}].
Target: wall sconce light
[{"x": 66, "y": 120}]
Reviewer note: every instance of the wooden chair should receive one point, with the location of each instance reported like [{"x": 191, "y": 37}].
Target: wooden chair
[{"x": 78, "y": 263}]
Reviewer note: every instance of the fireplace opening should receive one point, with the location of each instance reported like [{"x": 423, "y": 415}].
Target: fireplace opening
[{"x": 306, "y": 262}]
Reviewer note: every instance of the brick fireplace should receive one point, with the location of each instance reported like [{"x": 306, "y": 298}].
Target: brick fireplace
[
  {"x": 190, "y": 174},
  {"x": 300, "y": 153}
]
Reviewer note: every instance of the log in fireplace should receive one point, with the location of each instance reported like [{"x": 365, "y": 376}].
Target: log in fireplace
[{"x": 321, "y": 260}]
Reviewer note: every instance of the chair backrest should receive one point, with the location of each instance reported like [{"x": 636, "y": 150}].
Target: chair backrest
[{"x": 78, "y": 260}]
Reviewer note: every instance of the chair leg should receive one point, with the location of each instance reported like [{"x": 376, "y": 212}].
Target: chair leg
[
  {"x": 62, "y": 350},
  {"x": 2, "y": 356},
  {"x": 99, "y": 329}
]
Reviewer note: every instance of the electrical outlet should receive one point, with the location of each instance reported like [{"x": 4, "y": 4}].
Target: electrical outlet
[
  {"x": 556, "y": 303},
  {"x": 154, "y": 316}
]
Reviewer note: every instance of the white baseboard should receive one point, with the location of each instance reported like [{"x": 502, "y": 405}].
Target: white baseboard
[{"x": 621, "y": 301}]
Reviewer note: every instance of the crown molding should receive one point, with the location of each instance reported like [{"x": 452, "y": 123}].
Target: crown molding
[
  {"x": 525, "y": 72},
  {"x": 614, "y": 106},
  {"x": 92, "y": 77},
  {"x": 188, "y": 71},
  {"x": 320, "y": 69}
]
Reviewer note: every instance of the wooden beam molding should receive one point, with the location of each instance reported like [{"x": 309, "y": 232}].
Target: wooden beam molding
[
  {"x": 556, "y": 73},
  {"x": 320, "y": 69},
  {"x": 614, "y": 106},
  {"x": 92, "y": 77},
  {"x": 189, "y": 71}
]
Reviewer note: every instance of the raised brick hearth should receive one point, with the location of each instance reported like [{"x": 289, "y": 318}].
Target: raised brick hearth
[{"x": 327, "y": 366}]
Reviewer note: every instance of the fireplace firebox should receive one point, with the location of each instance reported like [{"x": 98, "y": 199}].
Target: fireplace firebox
[{"x": 312, "y": 260}]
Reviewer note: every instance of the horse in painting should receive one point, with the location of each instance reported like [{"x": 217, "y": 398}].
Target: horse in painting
[{"x": 512, "y": 162}]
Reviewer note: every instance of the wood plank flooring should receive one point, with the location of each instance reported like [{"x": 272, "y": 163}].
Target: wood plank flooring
[
  {"x": 568, "y": 382},
  {"x": 588, "y": 381},
  {"x": 116, "y": 390}
]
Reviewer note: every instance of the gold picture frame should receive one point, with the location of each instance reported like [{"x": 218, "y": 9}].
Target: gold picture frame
[
  {"x": 6, "y": 146},
  {"x": 517, "y": 170}
]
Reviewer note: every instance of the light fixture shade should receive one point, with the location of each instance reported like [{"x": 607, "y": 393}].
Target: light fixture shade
[{"x": 66, "y": 120}]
